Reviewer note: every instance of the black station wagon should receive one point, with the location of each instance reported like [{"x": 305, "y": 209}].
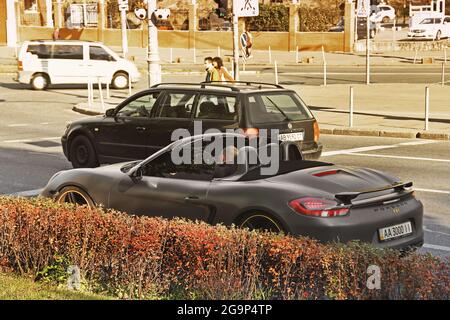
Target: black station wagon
[{"x": 143, "y": 123}]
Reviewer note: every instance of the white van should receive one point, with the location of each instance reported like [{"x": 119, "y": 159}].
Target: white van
[
  {"x": 429, "y": 26},
  {"x": 45, "y": 62}
]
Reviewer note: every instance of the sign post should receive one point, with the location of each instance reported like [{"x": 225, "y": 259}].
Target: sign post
[
  {"x": 154, "y": 69},
  {"x": 123, "y": 8},
  {"x": 241, "y": 8},
  {"x": 363, "y": 11}
]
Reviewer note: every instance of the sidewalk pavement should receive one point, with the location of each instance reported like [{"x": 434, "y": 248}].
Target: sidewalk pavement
[
  {"x": 378, "y": 110},
  {"x": 260, "y": 58}
]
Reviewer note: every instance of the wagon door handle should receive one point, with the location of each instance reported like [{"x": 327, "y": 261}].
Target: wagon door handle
[{"x": 192, "y": 199}]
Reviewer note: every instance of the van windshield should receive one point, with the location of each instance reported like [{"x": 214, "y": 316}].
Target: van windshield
[{"x": 276, "y": 107}]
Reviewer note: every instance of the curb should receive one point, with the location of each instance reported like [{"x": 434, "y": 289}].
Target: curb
[{"x": 411, "y": 134}]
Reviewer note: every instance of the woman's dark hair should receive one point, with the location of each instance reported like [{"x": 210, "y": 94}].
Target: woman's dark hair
[{"x": 219, "y": 62}]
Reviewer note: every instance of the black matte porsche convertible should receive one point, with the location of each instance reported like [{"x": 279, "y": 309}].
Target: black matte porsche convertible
[{"x": 302, "y": 198}]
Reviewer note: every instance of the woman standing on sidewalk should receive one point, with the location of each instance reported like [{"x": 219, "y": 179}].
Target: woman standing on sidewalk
[{"x": 222, "y": 74}]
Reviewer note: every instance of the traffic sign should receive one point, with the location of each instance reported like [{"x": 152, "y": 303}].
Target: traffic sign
[
  {"x": 123, "y": 5},
  {"x": 363, "y": 8},
  {"x": 246, "y": 8}
]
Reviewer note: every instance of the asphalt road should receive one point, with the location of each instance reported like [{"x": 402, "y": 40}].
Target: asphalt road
[{"x": 30, "y": 153}]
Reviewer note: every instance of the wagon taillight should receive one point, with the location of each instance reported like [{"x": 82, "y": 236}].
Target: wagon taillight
[{"x": 318, "y": 207}]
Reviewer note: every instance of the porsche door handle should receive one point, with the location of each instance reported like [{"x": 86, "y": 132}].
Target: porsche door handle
[{"x": 192, "y": 199}]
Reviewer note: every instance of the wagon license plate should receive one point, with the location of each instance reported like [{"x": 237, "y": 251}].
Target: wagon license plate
[
  {"x": 294, "y": 136},
  {"x": 397, "y": 231}
]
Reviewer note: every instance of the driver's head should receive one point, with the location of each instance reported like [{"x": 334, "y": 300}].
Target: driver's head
[{"x": 228, "y": 155}]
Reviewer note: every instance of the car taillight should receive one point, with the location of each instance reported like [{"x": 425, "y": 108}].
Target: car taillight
[
  {"x": 251, "y": 132},
  {"x": 318, "y": 207},
  {"x": 325, "y": 173},
  {"x": 19, "y": 65},
  {"x": 316, "y": 132}
]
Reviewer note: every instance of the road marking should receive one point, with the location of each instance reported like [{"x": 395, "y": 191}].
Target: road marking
[
  {"x": 353, "y": 150},
  {"x": 432, "y": 190},
  {"x": 438, "y": 232},
  {"x": 31, "y": 140},
  {"x": 436, "y": 247},
  {"x": 379, "y": 147},
  {"x": 397, "y": 157},
  {"x": 18, "y": 125},
  {"x": 28, "y": 193}
]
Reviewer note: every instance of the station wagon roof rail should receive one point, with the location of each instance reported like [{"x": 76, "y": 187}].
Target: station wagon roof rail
[{"x": 234, "y": 86}]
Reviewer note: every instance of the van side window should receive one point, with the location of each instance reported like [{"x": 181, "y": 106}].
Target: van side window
[
  {"x": 98, "y": 53},
  {"x": 67, "y": 52},
  {"x": 43, "y": 51}
]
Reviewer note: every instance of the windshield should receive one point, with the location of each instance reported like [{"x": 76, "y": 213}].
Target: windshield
[{"x": 276, "y": 107}]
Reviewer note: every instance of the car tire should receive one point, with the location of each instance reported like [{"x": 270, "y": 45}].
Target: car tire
[
  {"x": 438, "y": 35},
  {"x": 82, "y": 153},
  {"x": 120, "y": 80},
  {"x": 39, "y": 82},
  {"x": 261, "y": 221},
  {"x": 74, "y": 195}
]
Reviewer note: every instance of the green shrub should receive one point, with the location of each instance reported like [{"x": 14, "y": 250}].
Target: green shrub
[
  {"x": 272, "y": 17},
  {"x": 140, "y": 257},
  {"x": 320, "y": 16}
]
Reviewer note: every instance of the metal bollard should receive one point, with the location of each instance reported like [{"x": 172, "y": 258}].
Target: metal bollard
[
  {"x": 102, "y": 102},
  {"x": 276, "y": 72},
  {"x": 270, "y": 56},
  {"x": 296, "y": 54},
  {"x": 129, "y": 85},
  {"x": 427, "y": 106},
  {"x": 218, "y": 51},
  {"x": 171, "y": 55},
  {"x": 350, "y": 117},
  {"x": 443, "y": 74}
]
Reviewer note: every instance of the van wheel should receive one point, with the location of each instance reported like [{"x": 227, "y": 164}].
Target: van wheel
[
  {"x": 438, "y": 35},
  {"x": 74, "y": 195},
  {"x": 82, "y": 153},
  {"x": 260, "y": 221},
  {"x": 120, "y": 80},
  {"x": 39, "y": 82}
]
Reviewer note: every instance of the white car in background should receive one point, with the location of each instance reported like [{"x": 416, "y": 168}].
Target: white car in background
[
  {"x": 384, "y": 14},
  {"x": 429, "y": 27},
  {"x": 44, "y": 62}
]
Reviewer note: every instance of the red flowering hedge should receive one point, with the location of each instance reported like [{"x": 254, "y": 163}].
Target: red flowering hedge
[{"x": 141, "y": 257}]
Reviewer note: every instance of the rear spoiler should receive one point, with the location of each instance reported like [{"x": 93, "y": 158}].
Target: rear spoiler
[{"x": 347, "y": 197}]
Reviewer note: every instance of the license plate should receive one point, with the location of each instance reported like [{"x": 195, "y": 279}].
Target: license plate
[
  {"x": 392, "y": 232},
  {"x": 294, "y": 136}
]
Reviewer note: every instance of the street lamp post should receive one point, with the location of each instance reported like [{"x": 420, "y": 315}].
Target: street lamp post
[
  {"x": 235, "y": 43},
  {"x": 154, "y": 70}
]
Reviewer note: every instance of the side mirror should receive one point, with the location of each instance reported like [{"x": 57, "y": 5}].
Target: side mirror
[
  {"x": 110, "y": 113},
  {"x": 136, "y": 175}
]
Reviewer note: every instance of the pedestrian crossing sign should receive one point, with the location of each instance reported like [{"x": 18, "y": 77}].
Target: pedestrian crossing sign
[
  {"x": 363, "y": 8},
  {"x": 246, "y": 8}
]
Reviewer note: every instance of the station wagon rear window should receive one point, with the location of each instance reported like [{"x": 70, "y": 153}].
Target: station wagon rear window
[{"x": 276, "y": 107}]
